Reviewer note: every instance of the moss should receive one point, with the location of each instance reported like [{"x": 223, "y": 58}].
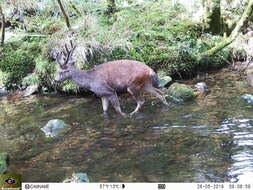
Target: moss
[
  {"x": 17, "y": 59},
  {"x": 17, "y": 66},
  {"x": 3, "y": 162},
  {"x": 180, "y": 92}
]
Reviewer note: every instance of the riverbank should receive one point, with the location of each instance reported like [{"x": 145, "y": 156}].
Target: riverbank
[{"x": 159, "y": 35}]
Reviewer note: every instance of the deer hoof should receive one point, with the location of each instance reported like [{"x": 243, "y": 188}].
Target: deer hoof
[
  {"x": 123, "y": 114},
  {"x": 132, "y": 113}
]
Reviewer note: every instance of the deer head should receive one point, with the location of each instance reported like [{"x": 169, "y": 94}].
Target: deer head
[{"x": 66, "y": 63}]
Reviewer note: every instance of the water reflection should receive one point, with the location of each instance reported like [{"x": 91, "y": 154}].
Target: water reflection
[{"x": 242, "y": 168}]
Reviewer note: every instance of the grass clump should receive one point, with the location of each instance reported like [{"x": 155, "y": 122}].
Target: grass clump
[{"x": 17, "y": 66}]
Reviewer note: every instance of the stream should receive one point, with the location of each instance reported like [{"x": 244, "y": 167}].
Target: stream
[{"x": 209, "y": 139}]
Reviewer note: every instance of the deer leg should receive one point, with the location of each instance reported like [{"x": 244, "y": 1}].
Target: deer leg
[
  {"x": 138, "y": 98},
  {"x": 115, "y": 103},
  {"x": 105, "y": 104},
  {"x": 157, "y": 93}
]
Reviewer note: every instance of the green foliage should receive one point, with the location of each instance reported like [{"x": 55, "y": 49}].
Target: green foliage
[
  {"x": 49, "y": 26},
  {"x": 70, "y": 87},
  {"x": 3, "y": 78},
  {"x": 18, "y": 59},
  {"x": 44, "y": 71},
  {"x": 46, "y": 25},
  {"x": 154, "y": 32},
  {"x": 31, "y": 79},
  {"x": 18, "y": 66},
  {"x": 3, "y": 162},
  {"x": 162, "y": 39}
]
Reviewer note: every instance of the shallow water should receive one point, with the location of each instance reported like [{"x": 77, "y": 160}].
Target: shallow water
[{"x": 207, "y": 140}]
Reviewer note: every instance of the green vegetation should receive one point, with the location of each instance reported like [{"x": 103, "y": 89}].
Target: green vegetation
[
  {"x": 155, "y": 32},
  {"x": 3, "y": 162},
  {"x": 18, "y": 60},
  {"x": 17, "y": 66}
]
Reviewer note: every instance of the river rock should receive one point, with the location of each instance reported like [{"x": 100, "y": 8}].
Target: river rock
[
  {"x": 200, "y": 90},
  {"x": 3, "y": 162},
  {"x": 248, "y": 98},
  {"x": 31, "y": 90},
  {"x": 180, "y": 92},
  {"x": 54, "y": 127},
  {"x": 201, "y": 86},
  {"x": 77, "y": 178}
]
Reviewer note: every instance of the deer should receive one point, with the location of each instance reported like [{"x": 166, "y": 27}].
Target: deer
[{"x": 109, "y": 79}]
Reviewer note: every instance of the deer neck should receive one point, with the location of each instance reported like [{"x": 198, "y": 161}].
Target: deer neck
[{"x": 82, "y": 78}]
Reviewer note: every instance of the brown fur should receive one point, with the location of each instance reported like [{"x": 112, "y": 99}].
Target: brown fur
[{"x": 123, "y": 73}]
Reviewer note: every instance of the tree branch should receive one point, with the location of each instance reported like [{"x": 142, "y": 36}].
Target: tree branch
[
  {"x": 66, "y": 17},
  {"x": 242, "y": 22}
]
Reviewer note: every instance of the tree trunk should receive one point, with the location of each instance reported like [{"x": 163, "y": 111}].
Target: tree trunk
[
  {"x": 66, "y": 17},
  {"x": 243, "y": 21},
  {"x": 2, "y": 26},
  {"x": 213, "y": 21},
  {"x": 111, "y": 7}
]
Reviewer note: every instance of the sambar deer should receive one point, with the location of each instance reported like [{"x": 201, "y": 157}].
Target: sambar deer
[{"x": 108, "y": 79}]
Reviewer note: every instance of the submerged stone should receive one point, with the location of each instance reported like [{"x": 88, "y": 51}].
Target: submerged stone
[
  {"x": 180, "y": 92},
  {"x": 3, "y": 162},
  {"x": 77, "y": 178},
  {"x": 248, "y": 98},
  {"x": 54, "y": 127}
]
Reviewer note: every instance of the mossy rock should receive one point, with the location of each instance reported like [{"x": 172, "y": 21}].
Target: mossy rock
[
  {"x": 3, "y": 162},
  {"x": 180, "y": 92}
]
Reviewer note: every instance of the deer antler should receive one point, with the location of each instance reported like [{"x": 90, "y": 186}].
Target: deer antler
[
  {"x": 64, "y": 56},
  {"x": 68, "y": 53}
]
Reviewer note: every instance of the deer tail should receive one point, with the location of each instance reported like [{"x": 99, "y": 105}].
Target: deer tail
[{"x": 155, "y": 80}]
